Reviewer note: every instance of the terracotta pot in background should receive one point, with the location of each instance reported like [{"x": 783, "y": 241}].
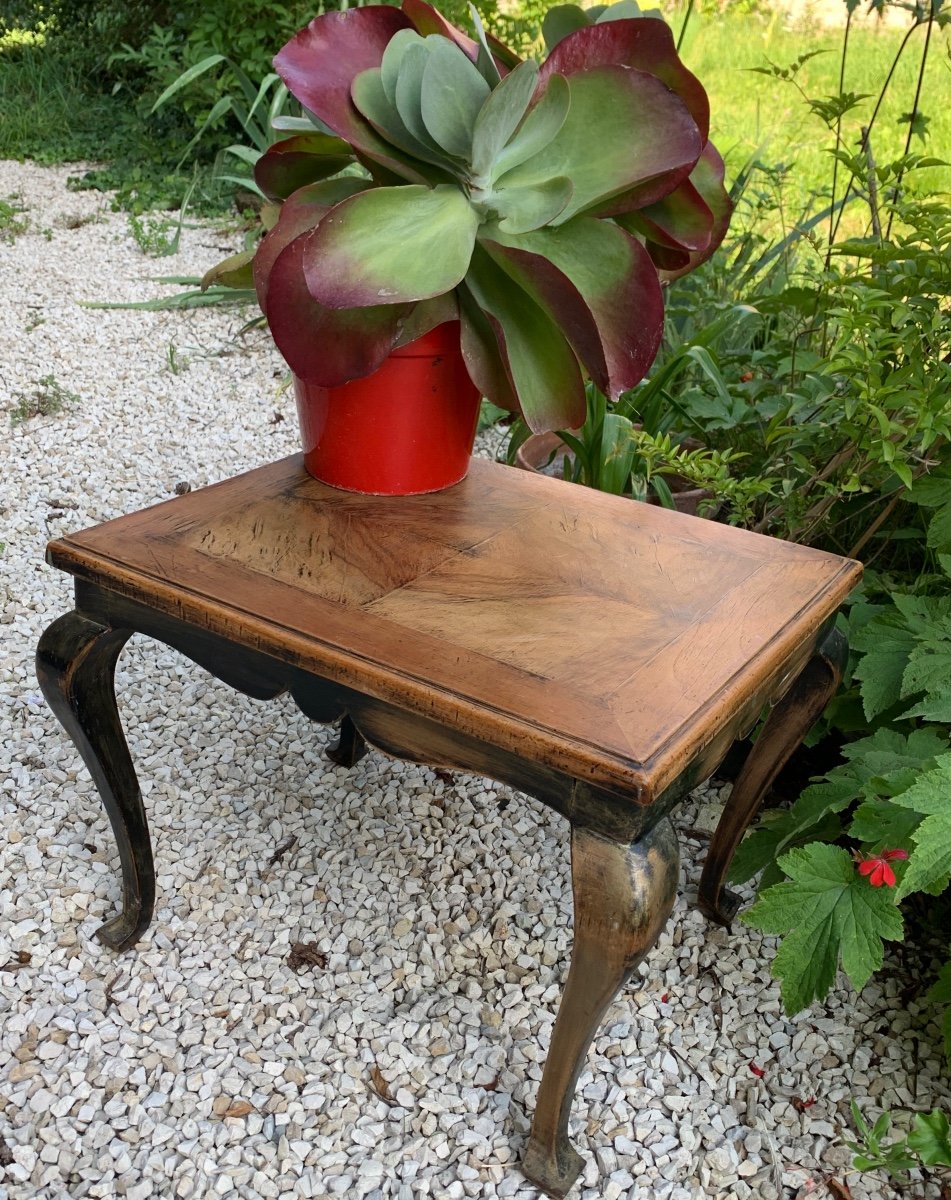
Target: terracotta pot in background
[
  {"x": 546, "y": 452},
  {"x": 405, "y": 429}
]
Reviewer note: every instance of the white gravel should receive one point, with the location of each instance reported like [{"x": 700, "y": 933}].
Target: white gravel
[{"x": 445, "y": 920}]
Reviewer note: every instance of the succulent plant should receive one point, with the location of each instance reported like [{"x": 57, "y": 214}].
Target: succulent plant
[{"x": 437, "y": 176}]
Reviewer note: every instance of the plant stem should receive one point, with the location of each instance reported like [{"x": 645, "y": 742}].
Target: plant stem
[
  {"x": 872, "y": 186},
  {"x": 914, "y": 113},
  {"x": 683, "y": 28},
  {"x": 871, "y": 124},
  {"x": 838, "y": 135}
]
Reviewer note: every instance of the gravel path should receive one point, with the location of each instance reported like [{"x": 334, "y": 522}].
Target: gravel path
[{"x": 404, "y": 1063}]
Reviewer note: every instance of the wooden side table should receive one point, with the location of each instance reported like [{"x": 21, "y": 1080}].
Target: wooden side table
[{"x": 599, "y": 654}]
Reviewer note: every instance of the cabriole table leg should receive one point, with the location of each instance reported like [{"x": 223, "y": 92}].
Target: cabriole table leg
[
  {"x": 623, "y": 895},
  {"x": 785, "y": 728},
  {"x": 75, "y": 664}
]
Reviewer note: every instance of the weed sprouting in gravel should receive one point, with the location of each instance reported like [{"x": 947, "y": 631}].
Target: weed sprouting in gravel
[
  {"x": 48, "y": 398},
  {"x": 12, "y": 223}
]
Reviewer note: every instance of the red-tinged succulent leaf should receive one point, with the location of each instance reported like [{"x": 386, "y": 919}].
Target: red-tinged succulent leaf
[
  {"x": 538, "y": 359},
  {"x": 505, "y": 57},
  {"x": 296, "y": 161},
  {"x": 707, "y": 178},
  {"x": 325, "y": 346},
  {"x": 553, "y": 291},
  {"x": 427, "y": 20},
  {"x": 299, "y": 214},
  {"x": 625, "y": 131},
  {"x": 394, "y": 245},
  {"x": 645, "y": 44},
  {"x": 481, "y": 353},
  {"x": 320, "y": 63},
  {"x": 681, "y": 221},
  {"x": 667, "y": 260},
  {"x": 600, "y": 286}
]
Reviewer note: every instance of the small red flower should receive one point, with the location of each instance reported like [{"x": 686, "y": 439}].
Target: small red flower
[
  {"x": 746, "y": 377},
  {"x": 759, "y": 1072},
  {"x": 876, "y": 867}
]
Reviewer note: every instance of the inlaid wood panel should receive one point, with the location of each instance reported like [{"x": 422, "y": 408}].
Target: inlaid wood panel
[{"x": 620, "y": 637}]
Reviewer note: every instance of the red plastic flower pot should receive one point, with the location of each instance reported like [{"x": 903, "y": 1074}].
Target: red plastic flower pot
[{"x": 405, "y": 429}]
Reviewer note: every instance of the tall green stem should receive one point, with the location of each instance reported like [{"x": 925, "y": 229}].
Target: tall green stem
[
  {"x": 838, "y": 135},
  {"x": 914, "y": 114},
  {"x": 683, "y": 28},
  {"x": 871, "y": 124}
]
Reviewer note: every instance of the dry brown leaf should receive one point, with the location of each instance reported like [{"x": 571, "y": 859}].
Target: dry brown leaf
[
  {"x": 305, "y": 954},
  {"x": 841, "y": 1191},
  {"x": 240, "y": 1108},
  {"x": 380, "y": 1086}
]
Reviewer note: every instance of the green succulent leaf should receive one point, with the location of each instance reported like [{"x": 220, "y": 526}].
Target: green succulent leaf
[
  {"x": 391, "y": 245},
  {"x": 451, "y": 95},
  {"x": 627, "y": 108},
  {"x": 369, "y": 96},
  {"x": 543, "y": 369},
  {"x": 392, "y": 59},
  {"x": 525, "y": 208},
  {"x": 501, "y": 114},
  {"x": 488, "y": 68},
  {"x": 539, "y": 128},
  {"x": 561, "y": 20},
  {"x": 409, "y": 89}
]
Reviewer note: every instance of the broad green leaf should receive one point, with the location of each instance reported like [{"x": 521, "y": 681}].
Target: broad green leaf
[
  {"x": 934, "y": 489},
  {"x": 930, "y": 1140},
  {"x": 233, "y": 272},
  {"x": 780, "y": 831},
  {"x": 539, "y": 128},
  {"x": 499, "y": 117},
  {"x": 544, "y": 371},
  {"x": 391, "y": 245},
  {"x": 451, "y": 96},
  {"x": 600, "y": 286},
  {"x": 929, "y": 669},
  {"x": 827, "y": 911},
  {"x": 523, "y": 209},
  {"x": 939, "y": 529},
  {"x": 929, "y": 866},
  {"x": 881, "y": 668},
  {"x": 883, "y": 824},
  {"x": 645, "y": 134}
]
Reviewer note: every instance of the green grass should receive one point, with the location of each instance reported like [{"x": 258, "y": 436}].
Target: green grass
[
  {"x": 57, "y": 109},
  {"x": 756, "y": 115}
]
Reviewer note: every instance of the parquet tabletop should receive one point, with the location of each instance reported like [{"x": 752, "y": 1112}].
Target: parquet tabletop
[{"x": 623, "y": 639}]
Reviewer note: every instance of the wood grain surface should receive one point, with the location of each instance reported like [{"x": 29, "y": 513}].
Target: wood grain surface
[{"x": 618, "y": 641}]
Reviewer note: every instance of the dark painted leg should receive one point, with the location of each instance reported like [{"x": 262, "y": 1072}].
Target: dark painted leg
[
  {"x": 785, "y": 728},
  {"x": 75, "y": 663},
  {"x": 623, "y": 895},
  {"x": 349, "y": 747}
]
